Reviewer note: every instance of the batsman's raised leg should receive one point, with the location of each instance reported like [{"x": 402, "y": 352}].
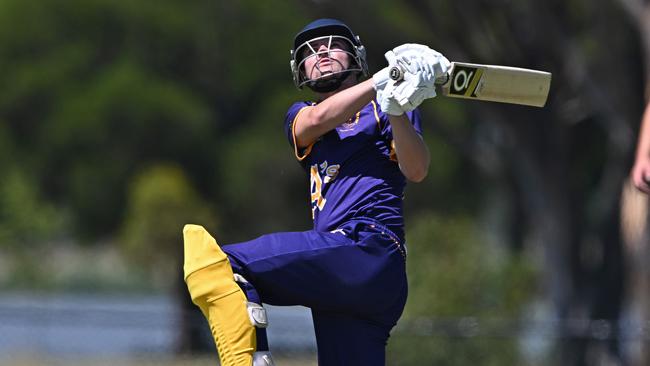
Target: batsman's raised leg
[{"x": 213, "y": 289}]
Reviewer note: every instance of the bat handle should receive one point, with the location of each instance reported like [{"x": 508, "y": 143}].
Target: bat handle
[{"x": 397, "y": 74}]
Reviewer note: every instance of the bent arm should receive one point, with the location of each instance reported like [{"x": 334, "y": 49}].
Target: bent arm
[
  {"x": 412, "y": 152},
  {"x": 317, "y": 120}
]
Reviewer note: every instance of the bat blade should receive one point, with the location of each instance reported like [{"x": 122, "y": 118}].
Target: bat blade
[{"x": 495, "y": 83}]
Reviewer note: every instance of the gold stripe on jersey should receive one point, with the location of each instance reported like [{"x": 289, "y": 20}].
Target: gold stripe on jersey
[
  {"x": 374, "y": 109},
  {"x": 393, "y": 153},
  {"x": 306, "y": 150}
]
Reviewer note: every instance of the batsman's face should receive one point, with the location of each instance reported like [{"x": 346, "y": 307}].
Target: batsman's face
[{"x": 325, "y": 56}]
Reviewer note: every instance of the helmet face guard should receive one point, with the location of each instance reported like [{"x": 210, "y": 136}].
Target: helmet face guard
[
  {"x": 306, "y": 51},
  {"x": 326, "y": 30}
]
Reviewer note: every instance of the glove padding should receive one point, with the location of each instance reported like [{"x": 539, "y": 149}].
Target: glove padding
[
  {"x": 398, "y": 96},
  {"x": 433, "y": 61},
  {"x": 385, "y": 87},
  {"x": 420, "y": 67}
]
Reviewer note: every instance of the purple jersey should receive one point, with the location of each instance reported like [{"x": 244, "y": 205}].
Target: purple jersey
[{"x": 353, "y": 170}]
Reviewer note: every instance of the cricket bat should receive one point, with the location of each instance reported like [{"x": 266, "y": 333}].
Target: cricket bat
[{"x": 492, "y": 83}]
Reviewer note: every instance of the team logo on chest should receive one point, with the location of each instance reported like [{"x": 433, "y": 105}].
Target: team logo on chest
[{"x": 350, "y": 124}]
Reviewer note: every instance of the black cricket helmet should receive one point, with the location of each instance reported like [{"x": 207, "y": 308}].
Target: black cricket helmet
[{"x": 326, "y": 29}]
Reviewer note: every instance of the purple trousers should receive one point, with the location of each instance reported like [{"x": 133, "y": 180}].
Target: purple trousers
[{"x": 352, "y": 279}]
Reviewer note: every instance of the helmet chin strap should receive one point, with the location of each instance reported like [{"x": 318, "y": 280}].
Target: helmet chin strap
[{"x": 329, "y": 83}]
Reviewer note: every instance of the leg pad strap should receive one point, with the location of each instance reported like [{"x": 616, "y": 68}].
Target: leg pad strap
[
  {"x": 256, "y": 311},
  {"x": 257, "y": 315}
]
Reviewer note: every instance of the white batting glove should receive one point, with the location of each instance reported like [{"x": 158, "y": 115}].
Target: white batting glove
[
  {"x": 410, "y": 96},
  {"x": 417, "y": 81},
  {"x": 385, "y": 87},
  {"x": 387, "y": 101},
  {"x": 431, "y": 60},
  {"x": 381, "y": 78}
]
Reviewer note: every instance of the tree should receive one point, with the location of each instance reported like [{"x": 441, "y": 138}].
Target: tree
[{"x": 161, "y": 201}]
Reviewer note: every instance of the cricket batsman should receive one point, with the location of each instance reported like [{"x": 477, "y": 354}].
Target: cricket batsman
[{"x": 359, "y": 141}]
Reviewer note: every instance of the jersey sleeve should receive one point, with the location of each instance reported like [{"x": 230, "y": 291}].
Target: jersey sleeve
[{"x": 289, "y": 130}]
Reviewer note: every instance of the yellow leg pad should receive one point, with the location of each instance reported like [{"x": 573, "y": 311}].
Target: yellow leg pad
[{"x": 211, "y": 284}]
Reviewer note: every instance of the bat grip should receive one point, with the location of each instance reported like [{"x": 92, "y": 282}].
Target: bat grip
[{"x": 397, "y": 74}]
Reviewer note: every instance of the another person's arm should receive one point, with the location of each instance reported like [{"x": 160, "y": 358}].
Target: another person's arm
[{"x": 641, "y": 169}]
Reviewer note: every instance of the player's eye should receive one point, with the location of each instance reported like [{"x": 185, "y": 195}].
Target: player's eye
[{"x": 339, "y": 45}]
